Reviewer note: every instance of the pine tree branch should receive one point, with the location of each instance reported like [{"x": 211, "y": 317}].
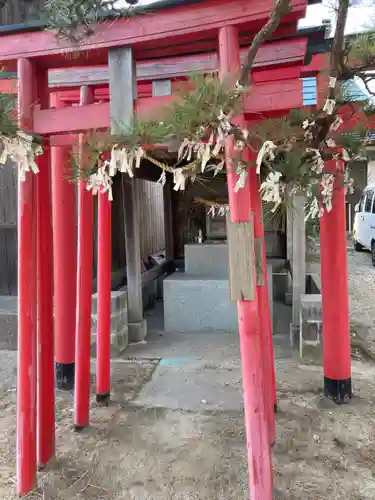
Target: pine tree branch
[
  {"x": 282, "y": 7},
  {"x": 322, "y": 124},
  {"x": 338, "y": 45}
]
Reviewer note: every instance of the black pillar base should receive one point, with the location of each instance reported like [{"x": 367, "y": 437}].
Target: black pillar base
[
  {"x": 103, "y": 399},
  {"x": 340, "y": 391},
  {"x": 79, "y": 428},
  {"x": 65, "y": 376}
]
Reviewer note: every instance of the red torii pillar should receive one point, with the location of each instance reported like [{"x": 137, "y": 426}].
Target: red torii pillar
[
  {"x": 103, "y": 337},
  {"x": 264, "y": 310},
  {"x": 335, "y": 296},
  {"x": 27, "y": 294},
  {"x": 252, "y": 346},
  {"x": 84, "y": 291},
  {"x": 65, "y": 262},
  {"x": 46, "y": 385}
]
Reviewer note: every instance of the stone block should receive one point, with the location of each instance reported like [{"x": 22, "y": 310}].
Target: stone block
[
  {"x": 311, "y": 325},
  {"x": 119, "y": 341},
  {"x": 196, "y": 304},
  {"x": 118, "y": 301},
  {"x": 193, "y": 304},
  {"x": 119, "y": 321},
  {"x": 209, "y": 260},
  {"x": 137, "y": 331}
]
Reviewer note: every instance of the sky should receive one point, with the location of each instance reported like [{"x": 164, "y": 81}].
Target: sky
[{"x": 359, "y": 16}]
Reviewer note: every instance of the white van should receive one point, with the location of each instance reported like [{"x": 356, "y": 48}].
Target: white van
[{"x": 364, "y": 222}]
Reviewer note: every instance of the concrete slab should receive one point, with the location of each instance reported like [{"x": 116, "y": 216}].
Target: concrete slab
[
  {"x": 199, "y": 371},
  {"x": 194, "y": 387}
]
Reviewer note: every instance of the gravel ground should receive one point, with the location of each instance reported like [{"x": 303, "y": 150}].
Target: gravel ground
[{"x": 362, "y": 295}]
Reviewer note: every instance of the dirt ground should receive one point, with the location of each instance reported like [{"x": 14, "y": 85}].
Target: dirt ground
[{"x": 136, "y": 453}]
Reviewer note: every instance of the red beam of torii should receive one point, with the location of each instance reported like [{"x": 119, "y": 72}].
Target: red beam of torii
[{"x": 222, "y": 22}]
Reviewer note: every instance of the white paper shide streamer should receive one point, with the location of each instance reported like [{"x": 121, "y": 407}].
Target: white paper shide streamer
[{"x": 21, "y": 151}]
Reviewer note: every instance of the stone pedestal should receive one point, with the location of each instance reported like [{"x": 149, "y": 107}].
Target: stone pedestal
[{"x": 198, "y": 299}]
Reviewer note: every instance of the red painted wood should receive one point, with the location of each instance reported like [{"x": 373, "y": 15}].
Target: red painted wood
[
  {"x": 8, "y": 86},
  {"x": 319, "y": 63},
  {"x": 65, "y": 253},
  {"x": 27, "y": 320},
  {"x": 71, "y": 140},
  {"x": 264, "y": 310},
  {"x": 84, "y": 291},
  {"x": 258, "y": 439},
  {"x": 192, "y": 44},
  {"x": 71, "y": 119},
  {"x": 266, "y": 75},
  {"x": 46, "y": 373},
  {"x": 262, "y": 98},
  {"x": 170, "y": 25},
  {"x": 277, "y": 53},
  {"x": 103, "y": 339},
  {"x": 334, "y": 277},
  {"x": 266, "y": 97}
]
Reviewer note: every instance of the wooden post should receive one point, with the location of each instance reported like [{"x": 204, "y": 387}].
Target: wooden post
[
  {"x": 335, "y": 298},
  {"x": 27, "y": 294},
  {"x": 122, "y": 87},
  {"x": 65, "y": 263},
  {"x": 84, "y": 291},
  {"x": 168, "y": 221},
  {"x": 298, "y": 259},
  {"x": 46, "y": 385},
  {"x": 258, "y": 441}
]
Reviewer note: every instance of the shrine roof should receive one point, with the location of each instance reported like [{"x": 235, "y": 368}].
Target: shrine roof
[{"x": 153, "y": 7}]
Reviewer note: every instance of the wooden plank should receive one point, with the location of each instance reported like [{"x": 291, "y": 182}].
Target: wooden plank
[
  {"x": 166, "y": 267},
  {"x": 71, "y": 119},
  {"x": 262, "y": 98},
  {"x": 75, "y": 119},
  {"x": 279, "y": 53},
  {"x": 11, "y": 258},
  {"x": 168, "y": 220},
  {"x": 259, "y": 264},
  {"x": 276, "y": 53},
  {"x": 172, "y": 26},
  {"x": 241, "y": 259},
  {"x": 274, "y": 96},
  {"x": 118, "y": 230},
  {"x": 4, "y": 280},
  {"x": 165, "y": 68}
]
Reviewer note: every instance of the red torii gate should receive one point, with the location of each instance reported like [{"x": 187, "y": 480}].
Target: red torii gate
[{"x": 219, "y": 23}]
